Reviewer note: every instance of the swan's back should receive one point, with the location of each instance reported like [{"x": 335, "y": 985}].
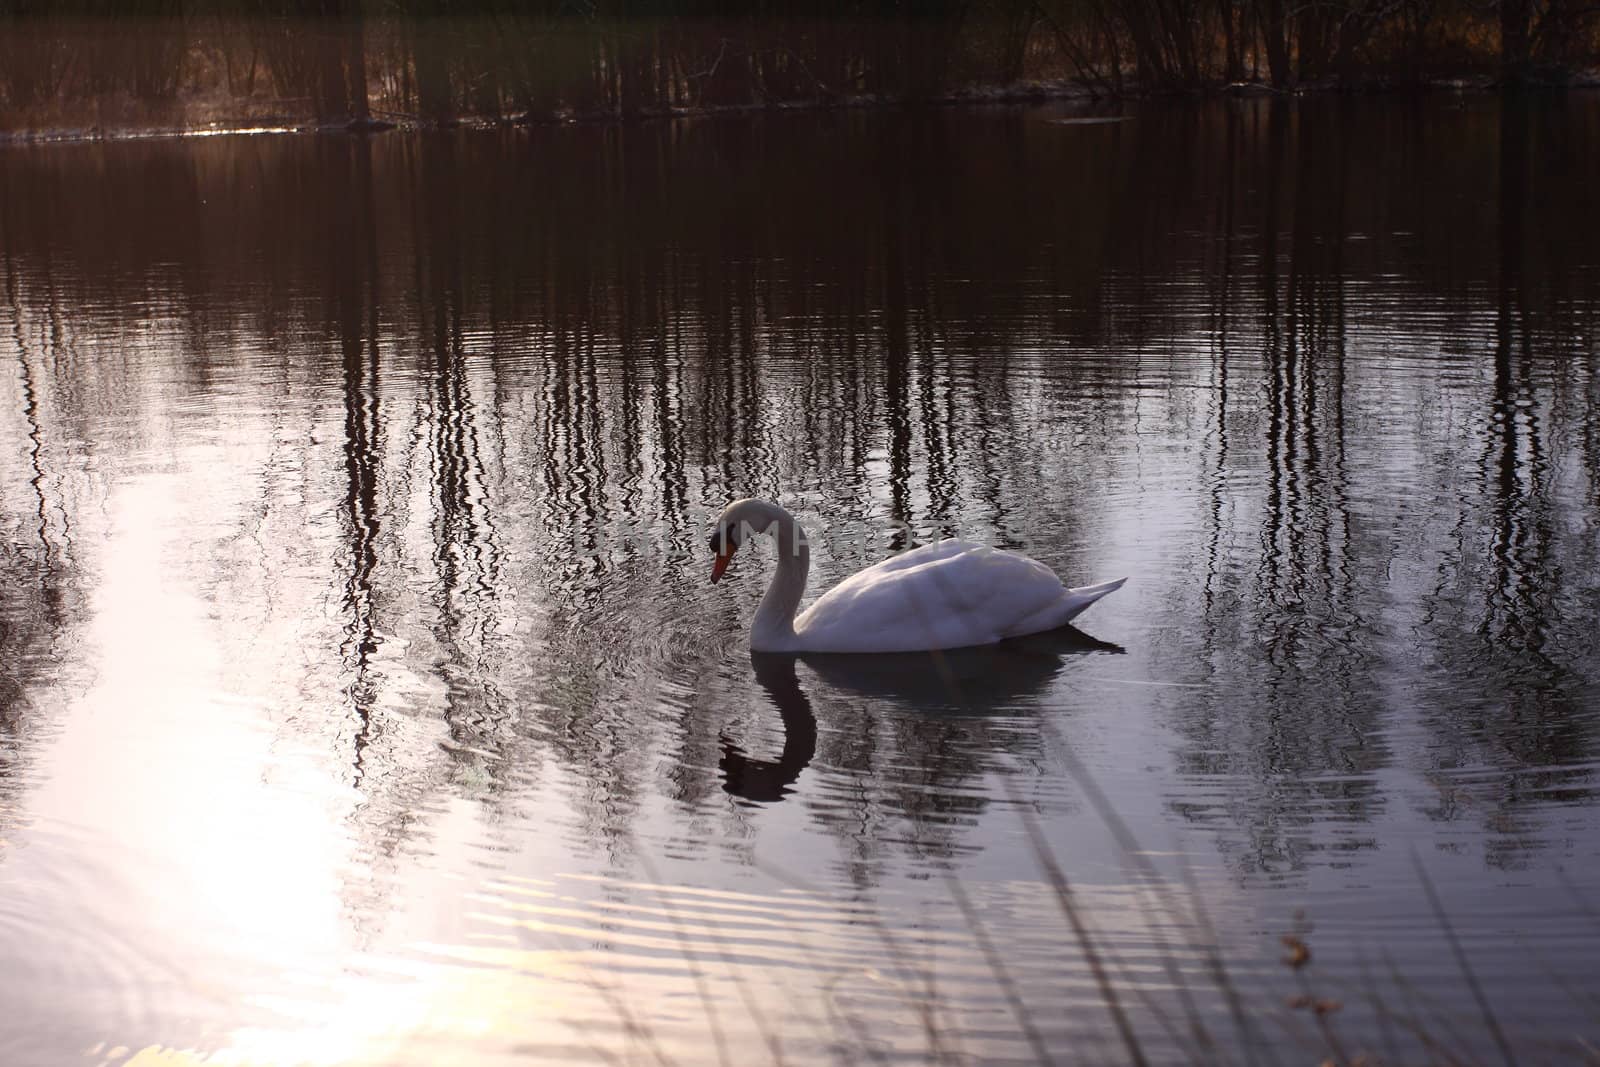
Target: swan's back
[{"x": 946, "y": 595}]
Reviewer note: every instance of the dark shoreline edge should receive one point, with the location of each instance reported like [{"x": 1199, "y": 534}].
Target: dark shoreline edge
[{"x": 1014, "y": 95}]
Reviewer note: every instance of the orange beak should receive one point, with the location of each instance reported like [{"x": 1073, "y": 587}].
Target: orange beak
[{"x": 719, "y": 566}]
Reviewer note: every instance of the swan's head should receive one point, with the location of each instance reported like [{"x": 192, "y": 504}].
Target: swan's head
[
  {"x": 739, "y": 519},
  {"x": 724, "y": 543}
]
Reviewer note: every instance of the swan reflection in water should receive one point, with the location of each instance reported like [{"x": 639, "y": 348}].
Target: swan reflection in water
[{"x": 986, "y": 680}]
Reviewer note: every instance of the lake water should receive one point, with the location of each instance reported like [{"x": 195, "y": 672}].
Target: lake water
[{"x": 364, "y": 698}]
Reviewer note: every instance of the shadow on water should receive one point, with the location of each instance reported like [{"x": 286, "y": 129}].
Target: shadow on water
[
  {"x": 988, "y": 680},
  {"x": 962, "y": 682}
]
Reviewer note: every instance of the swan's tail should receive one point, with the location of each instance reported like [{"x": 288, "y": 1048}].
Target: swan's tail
[
  {"x": 1068, "y": 606},
  {"x": 1074, "y": 601}
]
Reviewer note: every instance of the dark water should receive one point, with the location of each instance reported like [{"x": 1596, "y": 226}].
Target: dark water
[{"x": 363, "y": 698}]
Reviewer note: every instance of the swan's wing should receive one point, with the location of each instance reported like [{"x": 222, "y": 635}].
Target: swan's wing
[{"x": 946, "y": 595}]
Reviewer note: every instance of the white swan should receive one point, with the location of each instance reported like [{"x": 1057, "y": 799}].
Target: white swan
[{"x": 946, "y": 595}]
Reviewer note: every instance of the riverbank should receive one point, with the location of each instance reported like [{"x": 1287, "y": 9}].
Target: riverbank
[
  {"x": 205, "y": 70},
  {"x": 264, "y": 122}
]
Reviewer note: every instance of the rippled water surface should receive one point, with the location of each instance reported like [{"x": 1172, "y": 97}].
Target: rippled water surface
[{"x": 364, "y": 699}]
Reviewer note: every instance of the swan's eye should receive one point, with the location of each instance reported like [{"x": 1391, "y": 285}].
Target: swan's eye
[{"x": 723, "y": 540}]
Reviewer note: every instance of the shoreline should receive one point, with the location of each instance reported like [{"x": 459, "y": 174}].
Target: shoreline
[{"x": 1031, "y": 93}]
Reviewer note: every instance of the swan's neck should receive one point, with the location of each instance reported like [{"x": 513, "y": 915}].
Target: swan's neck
[{"x": 773, "y": 629}]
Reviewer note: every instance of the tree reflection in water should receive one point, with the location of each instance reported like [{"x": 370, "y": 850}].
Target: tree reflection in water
[
  {"x": 1265, "y": 351},
  {"x": 41, "y": 594}
]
